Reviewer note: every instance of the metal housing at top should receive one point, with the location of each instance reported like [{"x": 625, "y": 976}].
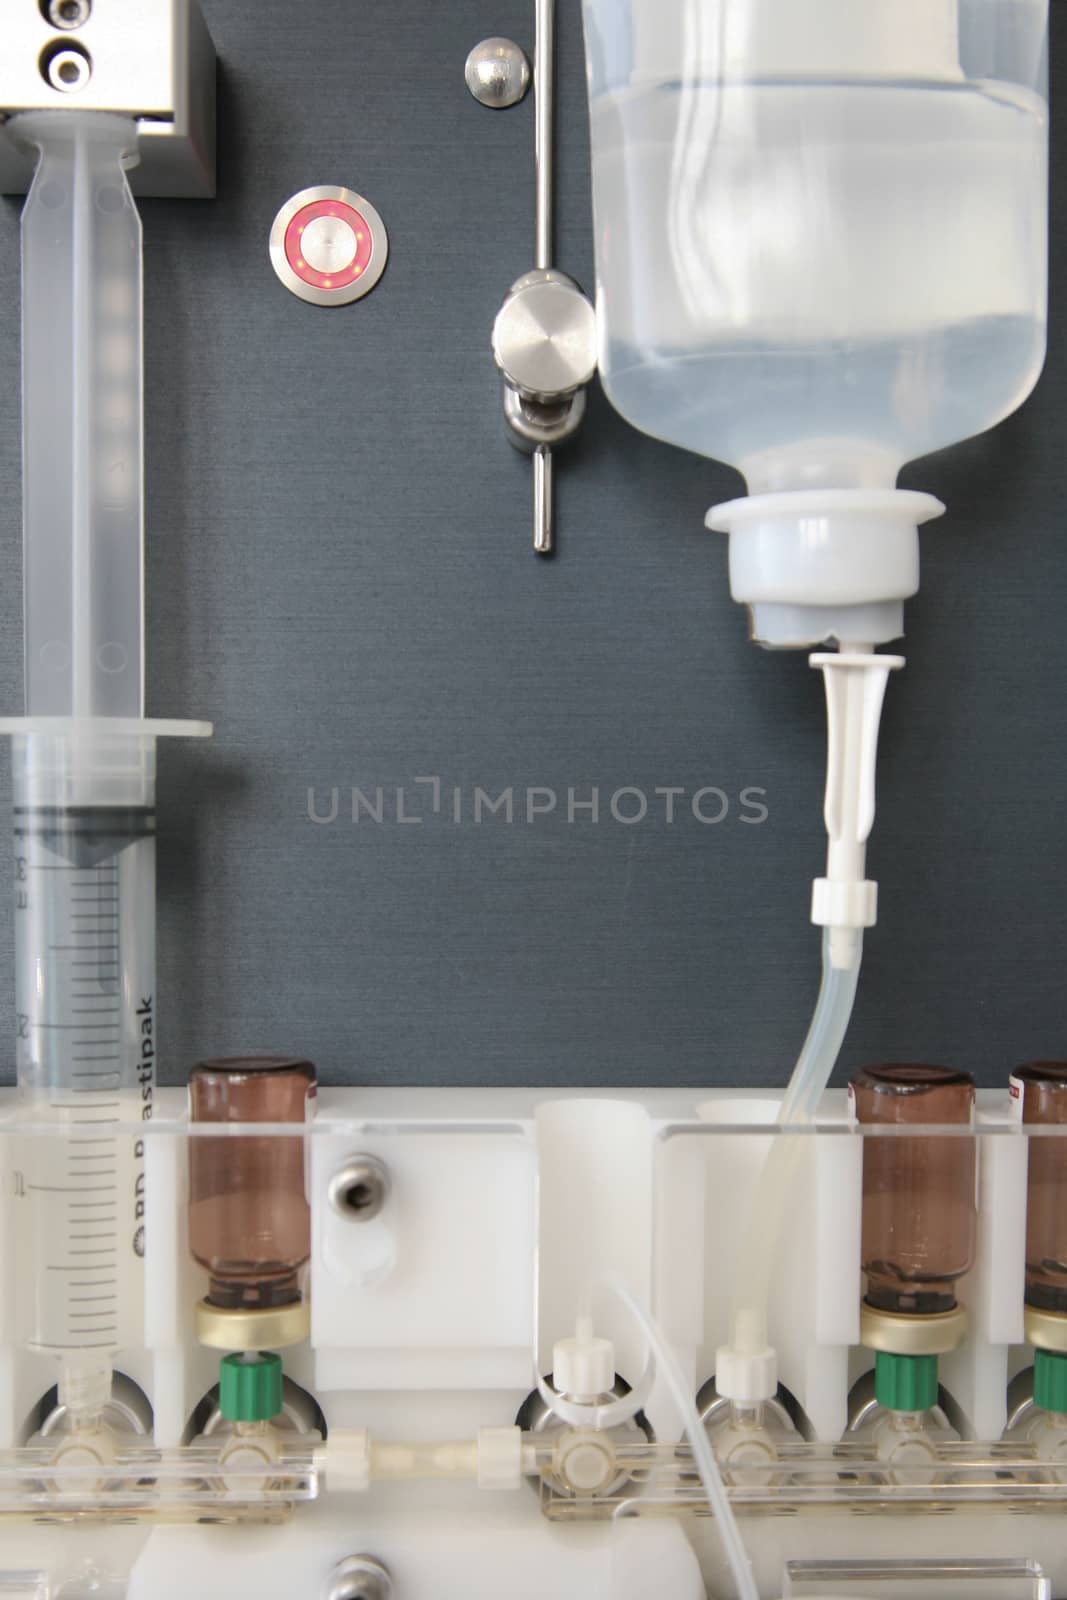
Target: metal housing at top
[{"x": 151, "y": 59}]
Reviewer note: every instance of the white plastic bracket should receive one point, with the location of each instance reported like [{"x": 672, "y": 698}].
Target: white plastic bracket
[{"x": 746, "y": 1377}]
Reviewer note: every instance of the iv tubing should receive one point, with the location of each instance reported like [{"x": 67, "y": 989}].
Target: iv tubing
[
  {"x": 814, "y": 1068},
  {"x": 844, "y": 903},
  {"x": 703, "y": 1455}
]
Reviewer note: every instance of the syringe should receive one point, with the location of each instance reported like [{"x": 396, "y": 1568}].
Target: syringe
[{"x": 83, "y": 762}]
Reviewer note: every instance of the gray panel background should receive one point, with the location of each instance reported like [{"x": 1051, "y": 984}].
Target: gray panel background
[{"x": 339, "y": 574}]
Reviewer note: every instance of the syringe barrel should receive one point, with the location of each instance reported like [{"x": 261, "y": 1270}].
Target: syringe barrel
[
  {"x": 84, "y": 822},
  {"x": 82, "y": 419}
]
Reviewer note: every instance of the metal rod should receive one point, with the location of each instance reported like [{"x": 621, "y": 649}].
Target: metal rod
[
  {"x": 544, "y": 162},
  {"x": 544, "y": 519},
  {"x": 544, "y": 114}
]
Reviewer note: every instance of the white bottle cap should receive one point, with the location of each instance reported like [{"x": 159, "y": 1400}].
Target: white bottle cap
[
  {"x": 821, "y": 564},
  {"x": 583, "y": 1368}
]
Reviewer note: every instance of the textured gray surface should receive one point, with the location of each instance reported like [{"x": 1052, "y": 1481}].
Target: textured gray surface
[{"x": 339, "y": 574}]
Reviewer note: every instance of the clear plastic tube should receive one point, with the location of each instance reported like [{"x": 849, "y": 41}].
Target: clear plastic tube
[
  {"x": 811, "y": 1075},
  {"x": 703, "y": 1455}
]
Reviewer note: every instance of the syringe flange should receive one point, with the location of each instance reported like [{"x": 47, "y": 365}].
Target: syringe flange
[{"x": 135, "y": 727}]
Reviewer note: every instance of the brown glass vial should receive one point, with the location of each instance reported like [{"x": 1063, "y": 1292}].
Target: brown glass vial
[
  {"x": 1041, "y": 1086},
  {"x": 919, "y": 1204},
  {"x": 249, "y": 1221}
]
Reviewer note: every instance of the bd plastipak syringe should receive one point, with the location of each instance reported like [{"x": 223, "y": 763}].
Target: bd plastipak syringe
[{"x": 83, "y": 762}]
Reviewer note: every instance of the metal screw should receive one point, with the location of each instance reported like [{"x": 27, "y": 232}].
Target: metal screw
[
  {"x": 497, "y": 73},
  {"x": 67, "y": 70},
  {"x": 68, "y": 13},
  {"x": 358, "y": 1578},
  {"x": 359, "y": 1189}
]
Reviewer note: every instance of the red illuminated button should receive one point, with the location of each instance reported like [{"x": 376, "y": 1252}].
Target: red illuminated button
[{"x": 328, "y": 246}]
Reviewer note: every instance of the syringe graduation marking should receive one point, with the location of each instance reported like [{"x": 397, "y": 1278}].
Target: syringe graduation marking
[{"x": 81, "y": 1030}]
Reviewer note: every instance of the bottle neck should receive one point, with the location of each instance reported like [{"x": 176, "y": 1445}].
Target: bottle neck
[
  {"x": 267, "y": 1292},
  {"x": 820, "y": 464}
]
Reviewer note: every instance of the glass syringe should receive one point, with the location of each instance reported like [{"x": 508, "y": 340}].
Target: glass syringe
[{"x": 83, "y": 762}]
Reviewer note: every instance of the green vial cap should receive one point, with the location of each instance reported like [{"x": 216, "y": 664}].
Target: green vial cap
[
  {"x": 1050, "y": 1380},
  {"x": 905, "y": 1383},
  {"x": 250, "y": 1387}
]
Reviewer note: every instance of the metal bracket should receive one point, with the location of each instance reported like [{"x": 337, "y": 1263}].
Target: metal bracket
[{"x": 152, "y": 60}]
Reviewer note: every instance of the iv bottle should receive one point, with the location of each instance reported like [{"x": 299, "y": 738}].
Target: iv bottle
[
  {"x": 249, "y": 1219},
  {"x": 919, "y": 1212},
  {"x": 1039, "y": 1092},
  {"x": 821, "y": 241}
]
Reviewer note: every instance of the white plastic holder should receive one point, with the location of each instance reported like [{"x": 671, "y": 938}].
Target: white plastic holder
[
  {"x": 583, "y": 1367},
  {"x": 746, "y": 1377},
  {"x": 845, "y": 900},
  {"x": 825, "y": 564}
]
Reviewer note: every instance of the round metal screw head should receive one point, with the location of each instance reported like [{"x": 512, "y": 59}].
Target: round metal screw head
[
  {"x": 358, "y": 1578},
  {"x": 498, "y": 73},
  {"x": 68, "y": 70},
  {"x": 68, "y": 13},
  {"x": 358, "y": 1190}
]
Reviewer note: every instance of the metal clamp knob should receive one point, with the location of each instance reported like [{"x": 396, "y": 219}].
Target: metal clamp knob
[{"x": 544, "y": 337}]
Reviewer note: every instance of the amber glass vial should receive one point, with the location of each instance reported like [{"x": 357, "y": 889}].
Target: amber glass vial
[
  {"x": 249, "y": 1221},
  {"x": 919, "y": 1210},
  {"x": 1042, "y": 1088}
]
